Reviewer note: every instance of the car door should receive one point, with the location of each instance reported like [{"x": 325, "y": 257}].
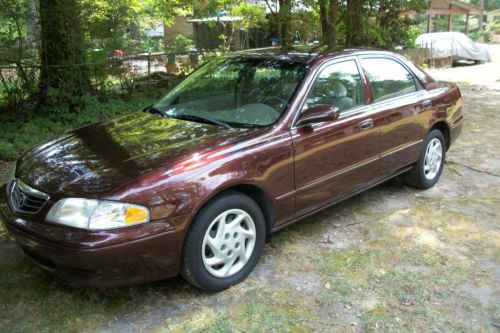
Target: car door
[
  {"x": 400, "y": 100},
  {"x": 336, "y": 158}
]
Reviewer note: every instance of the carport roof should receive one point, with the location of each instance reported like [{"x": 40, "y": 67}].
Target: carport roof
[
  {"x": 495, "y": 12},
  {"x": 437, "y": 7},
  {"x": 448, "y": 7}
]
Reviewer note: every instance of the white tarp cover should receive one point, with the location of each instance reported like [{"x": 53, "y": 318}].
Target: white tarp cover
[{"x": 452, "y": 44}]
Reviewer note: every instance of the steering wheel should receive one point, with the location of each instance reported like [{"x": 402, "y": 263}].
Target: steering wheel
[{"x": 275, "y": 100}]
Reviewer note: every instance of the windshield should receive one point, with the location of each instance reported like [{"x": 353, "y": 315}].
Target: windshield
[{"x": 235, "y": 91}]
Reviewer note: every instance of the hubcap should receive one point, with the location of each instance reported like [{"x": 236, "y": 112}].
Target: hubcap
[
  {"x": 228, "y": 243},
  {"x": 433, "y": 159}
]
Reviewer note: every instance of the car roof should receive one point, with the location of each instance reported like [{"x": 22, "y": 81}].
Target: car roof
[
  {"x": 305, "y": 54},
  {"x": 311, "y": 55}
]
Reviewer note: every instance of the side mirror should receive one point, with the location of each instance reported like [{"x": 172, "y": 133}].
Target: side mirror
[{"x": 317, "y": 114}]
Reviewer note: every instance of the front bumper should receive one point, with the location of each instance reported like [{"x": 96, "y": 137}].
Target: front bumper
[{"x": 138, "y": 254}]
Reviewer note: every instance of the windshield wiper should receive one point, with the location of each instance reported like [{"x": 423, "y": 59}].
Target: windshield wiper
[
  {"x": 165, "y": 113},
  {"x": 202, "y": 119},
  {"x": 154, "y": 110}
]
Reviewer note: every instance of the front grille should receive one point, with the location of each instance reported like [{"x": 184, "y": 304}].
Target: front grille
[{"x": 25, "y": 199}]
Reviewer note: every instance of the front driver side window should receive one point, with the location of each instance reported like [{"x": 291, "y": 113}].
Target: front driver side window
[{"x": 339, "y": 85}]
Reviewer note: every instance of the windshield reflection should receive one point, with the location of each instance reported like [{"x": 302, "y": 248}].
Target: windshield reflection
[{"x": 235, "y": 91}]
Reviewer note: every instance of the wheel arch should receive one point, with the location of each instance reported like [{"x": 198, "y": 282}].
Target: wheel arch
[
  {"x": 254, "y": 192},
  {"x": 445, "y": 129}
]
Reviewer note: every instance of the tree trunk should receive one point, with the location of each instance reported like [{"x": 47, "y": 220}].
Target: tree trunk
[
  {"x": 62, "y": 52},
  {"x": 481, "y": 16},
  {"x": 328, "y": 19},
  {"x": 323, "y": 19},
  {"x": 135, "y": 33},
  {"x": 32, "y": 24},
  {"x": 353, "y": 20},
  {"x": 284, "y": 15},
  {"x": 333, "y": 23}
]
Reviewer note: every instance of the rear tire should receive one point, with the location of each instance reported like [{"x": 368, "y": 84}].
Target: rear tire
[
  {"x": 425, "y": 174},
  {"x": 224, "y": 242}
]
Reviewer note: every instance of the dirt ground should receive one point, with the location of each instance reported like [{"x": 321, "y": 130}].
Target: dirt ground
[{"x": 390, "y": 259}]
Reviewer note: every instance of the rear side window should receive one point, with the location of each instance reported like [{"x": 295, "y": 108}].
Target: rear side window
[{"x": 388, "y": 78}]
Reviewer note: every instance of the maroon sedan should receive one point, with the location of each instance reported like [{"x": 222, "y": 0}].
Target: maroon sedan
[{"x": 246, "y": 145}]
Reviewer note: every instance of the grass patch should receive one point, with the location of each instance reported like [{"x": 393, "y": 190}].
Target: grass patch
[
  {"x": 456, "y": 229},
  {"x": 347, "y": 263},
  {"x": 22, "y": 129},
  {"x": 203, "y": 321},
  {"x": 340, "y": 290},
  {"x": 33, "y": 301},
  {"x": 264, "y": 317},
  {"x": 378, "y": 319},
  {"x": 414, "y": 273},
  {"x": 266, "y": 311}
]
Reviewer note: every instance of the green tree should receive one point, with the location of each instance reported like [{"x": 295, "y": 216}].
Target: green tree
[
  {"x": 63, "y": 58},
  {"x": 281, "y": 12},
  {"x": 328, "y": 10},
  {"x": 15, "y": 50},
  {"x": 251, "y": 17},
  {"x": 379, "y": 23}
]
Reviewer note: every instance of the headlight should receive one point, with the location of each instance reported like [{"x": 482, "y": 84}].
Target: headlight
[{"x": 96, "y": 214}]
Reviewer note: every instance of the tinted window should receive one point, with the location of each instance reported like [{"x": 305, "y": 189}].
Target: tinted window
[
  {"x": 388, "y": 78},
  {"x": 340, "y": 85}
]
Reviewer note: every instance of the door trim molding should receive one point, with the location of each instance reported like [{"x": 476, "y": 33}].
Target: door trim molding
[
  {"x": 336, "y": 174},
  {"x": 297, "y": 218},
  {"x": 400, "y": 148}
]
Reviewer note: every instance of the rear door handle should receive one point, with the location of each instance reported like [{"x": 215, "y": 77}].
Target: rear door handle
[
  {"x": 427, "y": 103},
  {"x": 366, "y": 124}
]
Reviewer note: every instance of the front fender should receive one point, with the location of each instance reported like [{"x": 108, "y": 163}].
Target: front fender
[{"x": 265, "y": 163}]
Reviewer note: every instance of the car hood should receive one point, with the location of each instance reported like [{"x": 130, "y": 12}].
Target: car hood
[{"x": 99, "y": 158}]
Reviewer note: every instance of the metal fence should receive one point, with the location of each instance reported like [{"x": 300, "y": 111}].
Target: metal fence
[
  {"x": 127, "y": 74},
  {"x": 122, "y": 75}
]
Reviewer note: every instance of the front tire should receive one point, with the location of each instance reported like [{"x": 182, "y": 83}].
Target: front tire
[
  {"x": 429, "y": 167},
  {"x": 224, "y": 242}
]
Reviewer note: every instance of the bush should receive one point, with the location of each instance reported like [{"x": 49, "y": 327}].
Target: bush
[
  {"x": 181, "y": 44},
  {"x": 493, "y": 28},
  {"x": 480, "y": 37},
  {"x": 23, "y": 129}
]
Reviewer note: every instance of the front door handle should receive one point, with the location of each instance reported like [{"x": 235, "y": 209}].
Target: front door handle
[
  {"x": 366, "y": 124},
  {"x": 427, "y": 103}
]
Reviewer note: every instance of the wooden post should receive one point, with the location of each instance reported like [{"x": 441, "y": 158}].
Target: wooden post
[
  {"x": 481, "y": 16},
  {"x": 429, "y": 19},
  {"x": 467, "y": 24},
  {"x": 149, "y": 70},
  {"x": 449, "y": 21}
]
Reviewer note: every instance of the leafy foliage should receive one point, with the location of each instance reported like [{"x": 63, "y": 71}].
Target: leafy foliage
[
  {"x": 493, "y": 27},
  {"x": 23, "y": 129},
  {"x": 181, "y": 44},
  {"x": 488, "y": 4},
  {"x": 379, "y": 23},
  {"x": 252, "y": 16},
  {"x": 17, "y": 81}
]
